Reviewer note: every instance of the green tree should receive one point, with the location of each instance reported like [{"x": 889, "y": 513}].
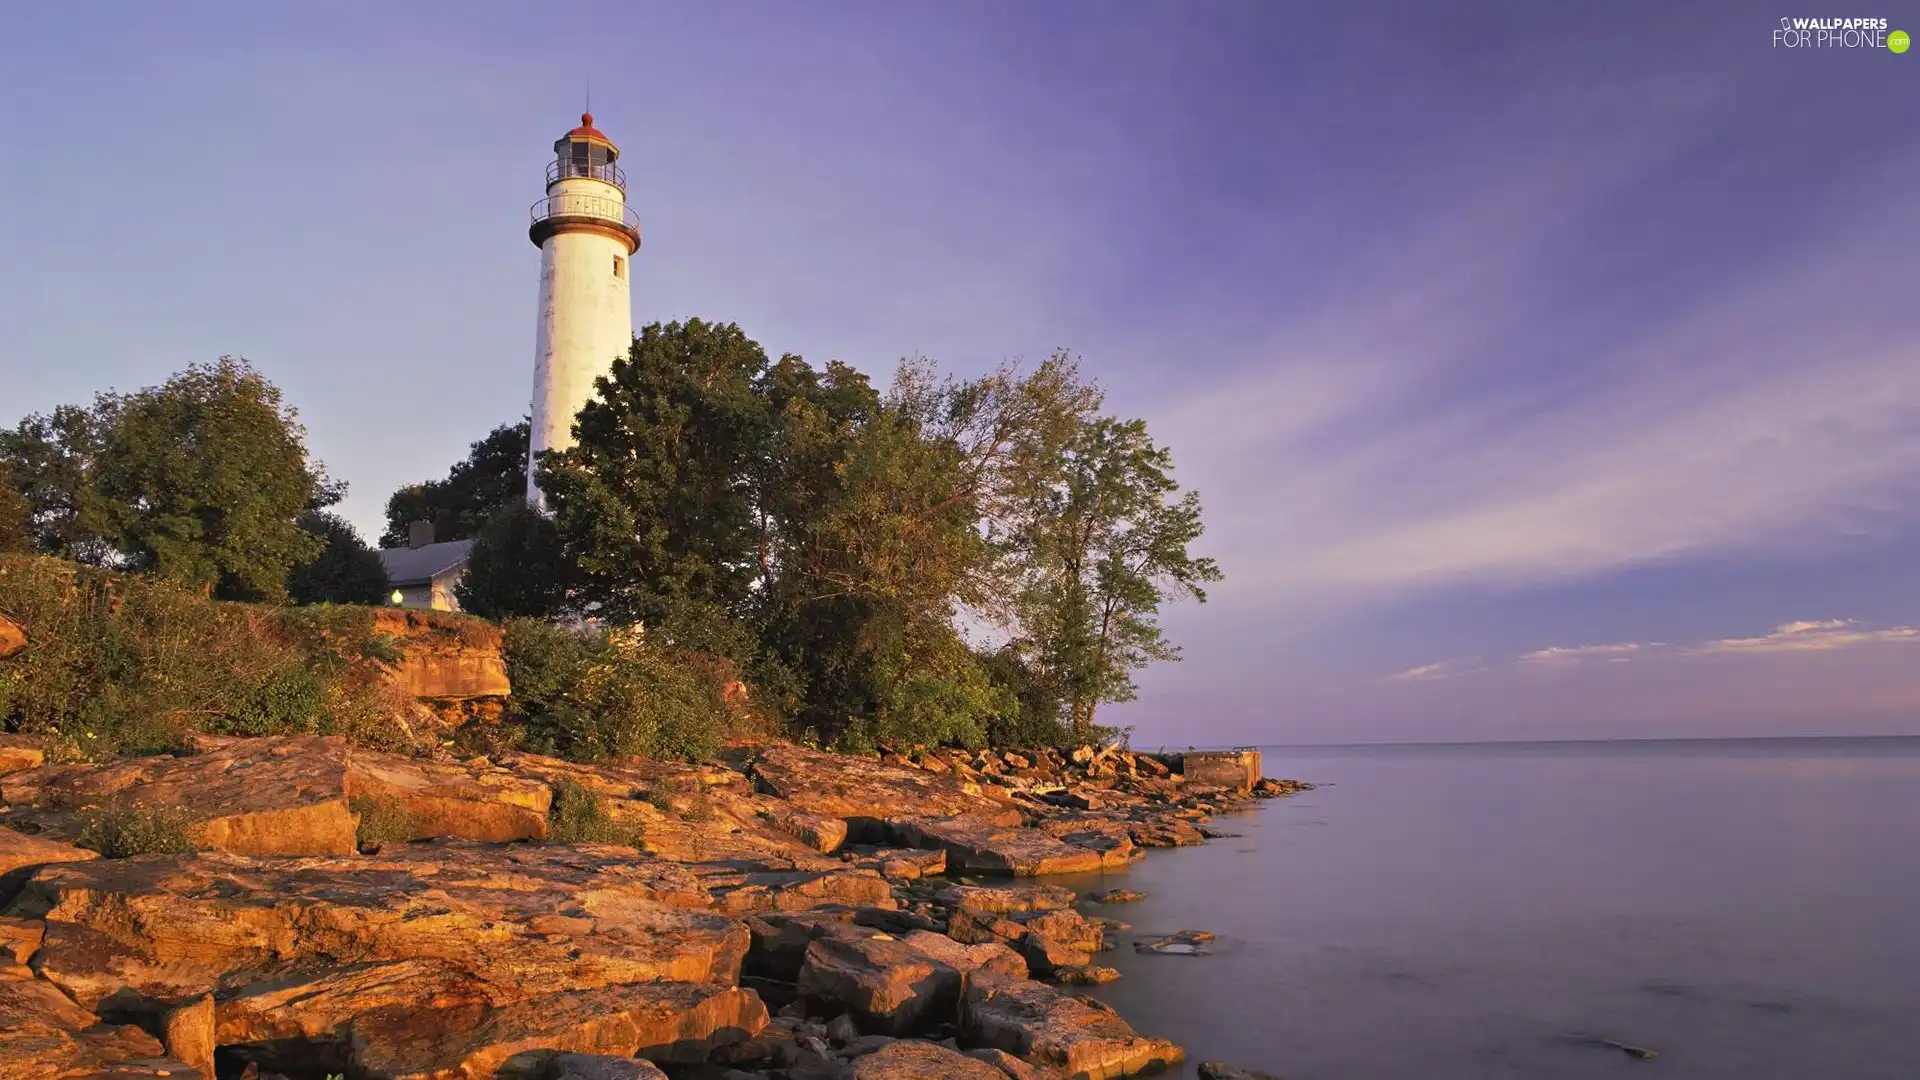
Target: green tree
[
  {"x": 346, "y": 571},
  {"x": 1099, "y": 551},
  {"x": 201, "y": 480},
  {"x": 493, "y": 475},
  {"x": 516, "y": 566},
  {"x": 16, "y": 515},
  {"x": 654, "y": 502}
]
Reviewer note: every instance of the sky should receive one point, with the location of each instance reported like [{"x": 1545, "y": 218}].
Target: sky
[{"x": 1545, "y": 370}]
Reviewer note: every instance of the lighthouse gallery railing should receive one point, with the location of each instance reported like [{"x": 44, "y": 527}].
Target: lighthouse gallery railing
[{"x": 566, "y": 205}]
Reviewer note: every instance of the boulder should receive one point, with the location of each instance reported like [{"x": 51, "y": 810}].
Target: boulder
[
  {"x": 1117, "y": 896},
  {"x": 817, "y": 831},
  {"x": 44, "y": 1036},
  {"x": 19, "y": 851},
  {"x": 379, "y": 1024},
  {"x": 187, "y": 1031},
  {"x": 1184, "y": 943},
  {"x": 907, "y": 863},
  {"x": 292, "y": 795},
  {"x": 13, "y": 638},
  {"x": 19, "y": 939},
  {"x": 443, "y": 656},
  {"x": 601, "y": 1067},
  {"x": 866, "y": 793},
  {"x": 887, "y": 985},
  {"x": 1048, "y": 1027},
  {"x": 976, "y": 847},
  {"x": 1012, "y": 1067},
  {"x": 744, "y": 888},
  {"x": 19, "y": 752},
  {"x": 914, "y": 1060},
  {"x": 966, "y": 959},
  {"x": 164, "y": 929}
]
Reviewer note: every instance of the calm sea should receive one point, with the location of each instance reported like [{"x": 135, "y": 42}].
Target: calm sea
[{"x": 1748, "y": 909}]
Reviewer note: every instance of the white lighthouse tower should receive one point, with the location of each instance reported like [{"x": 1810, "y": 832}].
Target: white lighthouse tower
[{"x": 586, "y": 235}]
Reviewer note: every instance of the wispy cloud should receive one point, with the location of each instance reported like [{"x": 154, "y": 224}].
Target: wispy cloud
[
  {"x": 1575, "y": 653},
  {"x": 1439, "y": 669},
  {"x": 1393, "y": 455},
  {"x": 1821, "y": 636}
]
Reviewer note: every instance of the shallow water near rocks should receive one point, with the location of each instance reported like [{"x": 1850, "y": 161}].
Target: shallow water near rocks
[{"x": 1747, "y": 908}]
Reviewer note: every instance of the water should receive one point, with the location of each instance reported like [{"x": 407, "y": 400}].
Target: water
[{"x": 1748, "y": 908}]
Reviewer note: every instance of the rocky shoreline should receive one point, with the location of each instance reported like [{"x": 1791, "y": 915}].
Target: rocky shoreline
[{"x": 780, "y": 914}]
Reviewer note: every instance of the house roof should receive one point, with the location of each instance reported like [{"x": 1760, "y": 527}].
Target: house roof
[{"x": 418, "y": 566}]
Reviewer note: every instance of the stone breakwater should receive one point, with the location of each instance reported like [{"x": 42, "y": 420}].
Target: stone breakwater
[{"x": 782, "y": 914}]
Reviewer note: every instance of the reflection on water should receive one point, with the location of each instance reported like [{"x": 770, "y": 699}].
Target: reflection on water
[{"x": 1747, "y": 908}]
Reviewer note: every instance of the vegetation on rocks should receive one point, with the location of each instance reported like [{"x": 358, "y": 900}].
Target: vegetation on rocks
[
  {"x": 382, "y": 822},
  {"x": 124, "y": 830},
  {"x": 134, "y": 664},
  {"x": 580, "y": 816}
]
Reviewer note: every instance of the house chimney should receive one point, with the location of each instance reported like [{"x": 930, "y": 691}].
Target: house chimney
[{"x": 419, "y": 534}]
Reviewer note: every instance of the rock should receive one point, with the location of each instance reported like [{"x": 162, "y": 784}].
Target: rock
[
  {"x": 1069, "y": 928},
  {"x": 1050, "y": 1028},
  {"x": 1237, "y": 770},
  {"x": 1117, "y": 896},
  {"x": 44, "y": 1036},
  {"x": 841, "y": 1030},
  {"x": 286, "y": 795},
  {"x": 1270, "y": 788},
  {"x": 19, "y": 939},
  {"x": 908, "y": 863},
  {"x": 966, "y": 959},
  {"x": 866, "y": 793},
  {"x": 741, "y": 890},
  {"x": 510, "y": 921},
  {"x": 1219, "y": 1070},
  {"x": 19, "y": 752},
  {"x": 601, "y": 1067},
  {"x": 974, "y": 928},
  {"x": 13, "y": 638},
  {"x": 915, "y": 1060},
  {"x": 1050, "y": 959},
  {"x": 1184, "y": 943},
  {"x": 187, "y": 1032},
  {"x": 1006, "y": 899},
  {"x": 866, "y": 1044},
  {"x": 819, "y": 832},
  {"x": 1164, "y": 833},
  {"x": 1089, "y": 975},
  {"x": 887, "y": 985},
  {"x": 18, "y": 852},
  {"x": 444, "y": 656},
  {"x": 1012, "y": 1067},
  {"x": 976, "y": 847}
]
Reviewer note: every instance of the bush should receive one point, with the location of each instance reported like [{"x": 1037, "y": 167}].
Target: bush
[
  {"x": 125, "y": 830},
  {"x": 580, "y": 816},
  {"x": 603, "y": 696},
  {"x": 132, "y": 665},
  {"x": 382, "y": 821}
]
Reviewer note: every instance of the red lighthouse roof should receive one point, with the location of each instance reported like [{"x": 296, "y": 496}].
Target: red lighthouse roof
[{"x": 586, "y": 132}]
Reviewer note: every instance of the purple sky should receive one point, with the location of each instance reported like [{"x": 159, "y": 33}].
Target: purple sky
[{"x": 1484, "y": 330}]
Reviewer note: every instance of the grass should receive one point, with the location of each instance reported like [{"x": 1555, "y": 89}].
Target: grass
[{"x": 382, "y": 821}]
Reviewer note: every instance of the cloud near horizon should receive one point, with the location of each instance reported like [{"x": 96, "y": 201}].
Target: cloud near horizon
[{"x": 1804, "y": 636}]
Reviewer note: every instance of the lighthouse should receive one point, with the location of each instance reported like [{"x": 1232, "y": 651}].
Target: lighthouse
[{"x": 586, "y": 236}]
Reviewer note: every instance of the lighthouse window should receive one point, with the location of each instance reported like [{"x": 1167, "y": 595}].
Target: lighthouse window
[{"x": 619, "y": 267}]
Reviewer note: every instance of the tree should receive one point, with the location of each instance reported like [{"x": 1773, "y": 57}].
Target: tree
[
  {"x": 493, "y": 475},
  {"x": 516, "y": 566},
  {"x": 1098, "y": 552},
  {"x": 201, "y": 480},
  {"x": 346, "y": 571},
  {"x": 654, "y": 502},
  {"x": 16, "y": 515}
]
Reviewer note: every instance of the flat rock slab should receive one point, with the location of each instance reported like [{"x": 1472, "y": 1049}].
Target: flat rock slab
[
  {"x": 976, "y": 847},
  {"x": 169, "y": 928},
  {"x": 866, "y": 792},
  {"x": 285, "y": 795},
  {"x": 1049, "y": 1027},
  {"x": 907, "y": 1059},
  {"x": 19, "y": 851},
  {"x": 601, "y": 1067},
  {"x": 1006, "y": 899}
]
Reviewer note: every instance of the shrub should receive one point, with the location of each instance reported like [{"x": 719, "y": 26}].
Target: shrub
[
  {"x": 124, "y": 830},
  {"x": 602, "y": 696},
  {"x": 382, "y": 821},
  {"x": 580, "y": 816},
  {"x": 131, "y": 665}
]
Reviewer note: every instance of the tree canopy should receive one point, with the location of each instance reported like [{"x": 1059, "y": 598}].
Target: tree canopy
[
  {"x": 346, "y": 571},
  {"x": 832, "y": 538},
  {"x": 493, "y": 474},
  {"x": 201, "y": 480}
]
